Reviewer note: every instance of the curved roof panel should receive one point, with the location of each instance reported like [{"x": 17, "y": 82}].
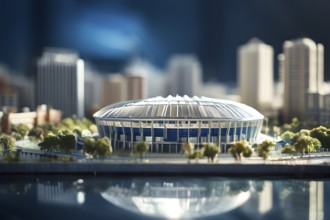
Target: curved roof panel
[{"x": 178, "y": 107}]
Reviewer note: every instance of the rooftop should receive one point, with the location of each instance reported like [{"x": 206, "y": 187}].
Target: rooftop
[{"x": 179, "y": 107}]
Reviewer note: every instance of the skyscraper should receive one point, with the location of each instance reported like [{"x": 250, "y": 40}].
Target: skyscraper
[
  {"x": 303, "y": 77},
  {"x": 114, "y": 89},
  {"x": 255, "y": 75},
  {"x": 185, "y": 75},
  {"x": 60, "y": 81},
  {"x": 136, "y": 87}
]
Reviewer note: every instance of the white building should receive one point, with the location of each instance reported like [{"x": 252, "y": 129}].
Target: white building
[
  {"x": 303, "y": 75},
  {"x": 255, "y": 75},
  {"x": 137, "y": 87},
  {"x": 184, "y": 75},
  {"x": 60, "y": 81}
]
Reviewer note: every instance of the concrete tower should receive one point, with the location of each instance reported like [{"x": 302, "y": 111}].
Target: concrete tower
[
  {"x": 60, "y": 81},
  {"x": 255, "y": 75},
  {"x": 303, "y": 77}
]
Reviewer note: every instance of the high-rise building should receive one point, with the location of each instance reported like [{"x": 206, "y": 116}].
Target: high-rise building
[
  {"x": 136, "y": 87},
  {"x": 185, "y": 75},
  {"x": 114, "y": 89},
  {"x": 255, "y": 75},
  {"x": 303, "y": 77},
  {"x": 60, "y": 82}
]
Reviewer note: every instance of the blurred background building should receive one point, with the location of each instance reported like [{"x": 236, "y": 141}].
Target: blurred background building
[
  {"x": 60, "y": 82},
  {"x": 184, "y": 75},
  {"x": 255, "y": 75},
  {"x": 303, "y": 77}
]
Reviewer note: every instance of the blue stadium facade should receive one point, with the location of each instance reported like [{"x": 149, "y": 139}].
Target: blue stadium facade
[{"x": 166, "y": 123}]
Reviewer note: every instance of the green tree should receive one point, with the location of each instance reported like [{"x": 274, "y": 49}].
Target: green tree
[
  {"x": 322, "y": 134},
  {"x": 103, "y": 147},
  {"x": 16, "y": 135},
  {"x": 97, "y": 148},
  {"x": 210, "y": 151},
  {"x": 48, "y": 128},
  {"x": 247, "y": 152},
  {"x": 288, "y": 136},
  {"x": 50, "y": 143},
  {"x": 306, "y": 144},
  {"x": 89, "y": 146},
  {"x": 239, "y": 149},
  {"x": 7, "y": 143},
  {"x": 264, "y": 148},
  {"x": 295, "y": 124},
  {"x": 67, "y": 143},
  {"x": 68, "y": 122},
  {"x": 304, "y": 132},
  {"x": 190, "y": 152},
  {"x": 188, "y": 149},
  {"x": 8, "y": 148},
  {"x": 22, "y": 129},
  {"x": 141, "y": 148},
  {"x": 288, "y": 149},
  {"x": 36, "y": 133}
]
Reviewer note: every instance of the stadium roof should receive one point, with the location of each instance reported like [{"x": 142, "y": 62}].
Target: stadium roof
[{"x": 178, "y": 107}]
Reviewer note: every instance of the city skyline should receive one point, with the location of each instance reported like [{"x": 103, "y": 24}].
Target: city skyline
[{"x": 184, "y": 77}]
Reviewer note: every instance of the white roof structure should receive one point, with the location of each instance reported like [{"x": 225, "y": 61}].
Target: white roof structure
[{"x": 178, "y": 107}]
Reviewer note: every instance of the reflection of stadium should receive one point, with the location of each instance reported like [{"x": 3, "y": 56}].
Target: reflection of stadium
[
  {"x": 57, "y": 193},
  {"x": 165, "y": 123},
  {"x": 176, "y": 200}
]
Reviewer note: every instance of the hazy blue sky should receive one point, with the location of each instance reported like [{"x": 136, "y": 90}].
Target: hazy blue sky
[{"x": 109, "y": 33}]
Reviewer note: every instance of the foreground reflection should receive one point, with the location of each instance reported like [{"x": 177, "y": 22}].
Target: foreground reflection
[
  {"x": 62, "y": 197},
  {"x": 179, "y": 199}
]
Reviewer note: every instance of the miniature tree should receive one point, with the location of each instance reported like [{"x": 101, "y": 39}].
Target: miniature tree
[
  {"x": 322, "y": 134},
  {"x": 248, "y": 151},
  {"x": 7, "y": 143},
  {"x": 239, "y": 149},
  {"x": 141, "y": 148},
  {"x": 287, "y": 136},
  {"x": 210, "y": 151},
  {"x": 188, "y": 148},
  {"x": 103, "y": 147},
  {"x": 264, "y": 148},
  {"x": 306, "y": 144},
  {"x": 191, "y": 153},
  {"x": 36, "y": 133},
  {"x": 50, "y": 143},
  {"x": 21, "y": 129},
  {"x": 97, "y": 148},
  {"x": 288, "y": 149},
  {"x": 67, "y": 143},
  {"x": 88, "y": 146},
  {"x": 8, "y": 148}
]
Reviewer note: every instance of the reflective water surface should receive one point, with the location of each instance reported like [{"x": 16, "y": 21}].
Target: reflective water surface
[{"x": 106, "y": 197}]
